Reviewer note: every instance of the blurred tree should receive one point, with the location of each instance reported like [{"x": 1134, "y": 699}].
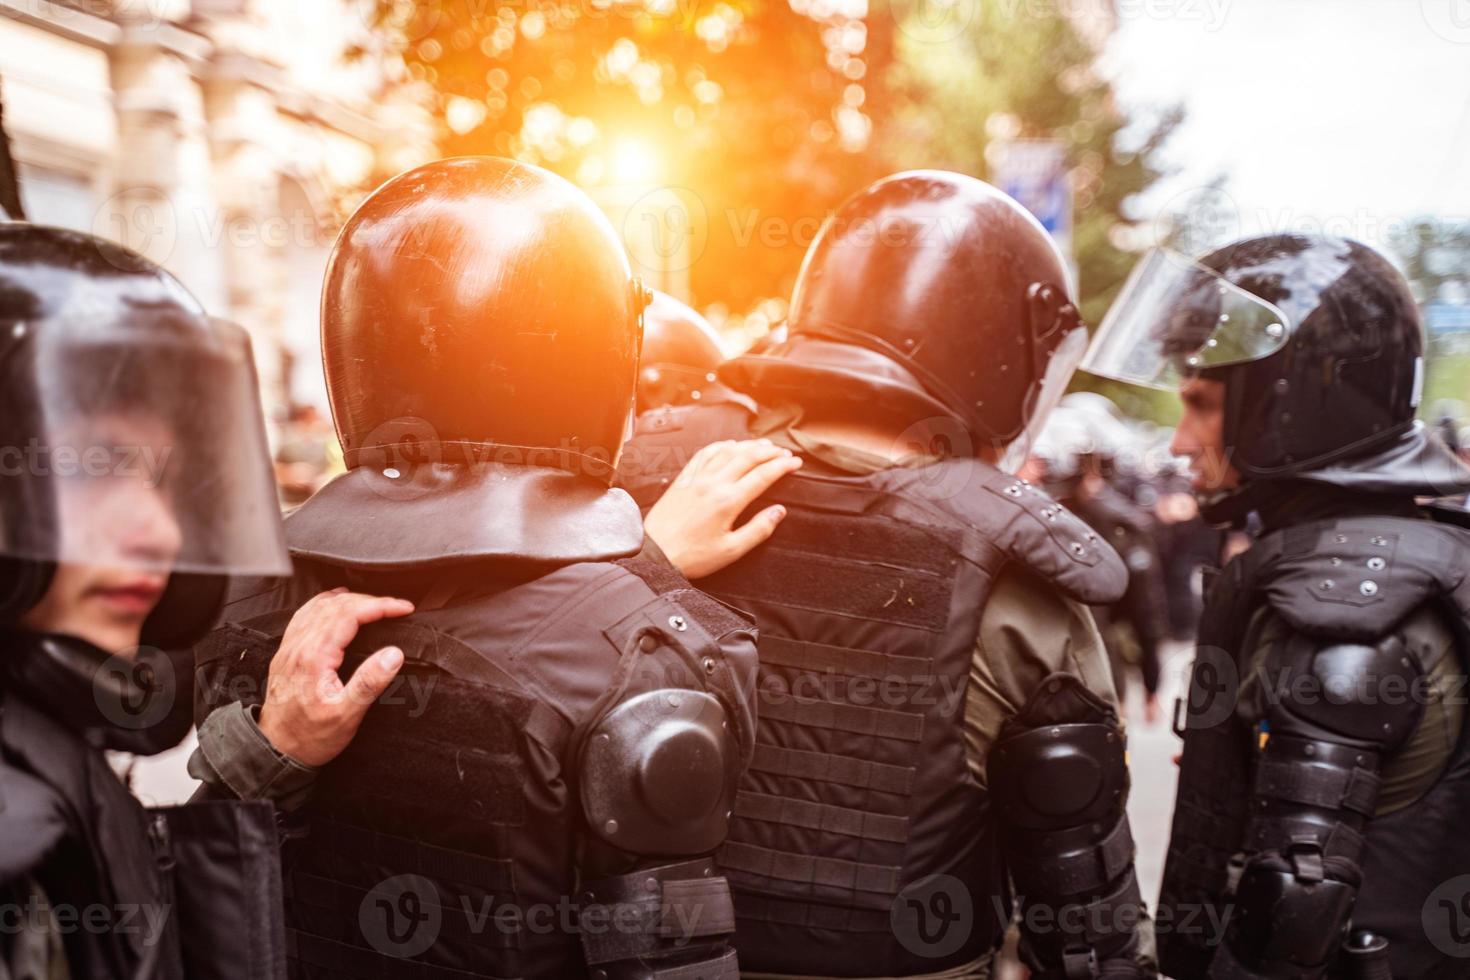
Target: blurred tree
[
  {"x": 1435, "y": 257},
  {"x": 983, "y": 70},
  {"x": 757, "y": 107},
  {"x": 772, "y": 111},
  {"x": 967, "y": 73}
]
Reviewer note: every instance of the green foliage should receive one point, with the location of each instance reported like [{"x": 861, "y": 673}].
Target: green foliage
[
  {"x": 747, "y": 116},
  {"x": 737, "y": 98},
  {"x": 1026, "y": 70},
  {"x": 1435, "y": 257}
]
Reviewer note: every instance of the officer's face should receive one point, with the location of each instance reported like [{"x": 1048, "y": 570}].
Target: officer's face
[
  {"x": 1201, "y": 436},
  {"x": 122, "y": 516}
]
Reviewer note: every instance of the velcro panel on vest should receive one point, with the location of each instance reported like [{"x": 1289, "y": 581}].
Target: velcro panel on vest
[
  {"x": 232, "y": 663},
  {"x": 363, "y": 857},
  {"x": 316, "y": 958},
  {"x": 868, "y": 568},
  {"x": 822, "y": 817},
  {"x": 384, "y": 764}
]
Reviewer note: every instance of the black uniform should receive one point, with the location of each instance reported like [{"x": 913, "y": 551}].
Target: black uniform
[
  {"x": 547, "y": 803},
  {"x": 105, "y": 358},
  {"x": 861, "y": 833},
  {"x": 1325, "y": 774}
]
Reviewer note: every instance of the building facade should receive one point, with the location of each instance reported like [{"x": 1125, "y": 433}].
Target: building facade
[{"x": 225, "y": 139}]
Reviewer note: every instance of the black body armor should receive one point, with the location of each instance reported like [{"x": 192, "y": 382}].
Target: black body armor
[
  {"x": 539, "y": 793},
  {"x": 1309, "y": 852},
  {"x": 859, "y": 817}
]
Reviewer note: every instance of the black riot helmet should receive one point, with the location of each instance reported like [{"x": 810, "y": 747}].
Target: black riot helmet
[
  {"x": 131, "y": 440},
  {"x": 958, "y": 290},
  {"x": 1317, "y": 339},
  {"x": 481, "y": 310},
  {"x": 681, "y": 353}
]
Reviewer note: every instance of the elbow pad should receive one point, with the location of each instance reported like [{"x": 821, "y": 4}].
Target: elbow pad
[
  {"x": 1059, "y": 777},
  {"x": 1316, "y": 787}
]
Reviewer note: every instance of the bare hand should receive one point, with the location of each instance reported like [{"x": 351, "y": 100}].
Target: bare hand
[
  {"x": 309, "y": 714},
  {"x": 693, "y": 522}
]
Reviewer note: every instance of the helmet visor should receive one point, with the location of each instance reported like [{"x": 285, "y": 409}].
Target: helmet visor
[
  {"x": 1175, "y": 318},
  {"x": 1059, "y": 370},
  {"x": 135, "y": 440}
]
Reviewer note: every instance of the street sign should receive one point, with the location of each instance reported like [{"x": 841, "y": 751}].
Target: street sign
[{"x": 1035, "y": 172}]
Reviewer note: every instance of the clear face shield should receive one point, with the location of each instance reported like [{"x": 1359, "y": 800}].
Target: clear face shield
[
  {"x": 135, "y": 440},
  {"x": 1059, "y": 370},
  {"x": 1175, "y": 318}
]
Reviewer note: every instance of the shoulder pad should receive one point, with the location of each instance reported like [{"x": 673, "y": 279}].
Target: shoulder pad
[
  {"x": 1354, "y": 579},
  {"x": 439, "y": 513},
  {"x": 1354, "y": 690},
  {"x": 658, "y": 774},
  {"x": 1019, "y": 520}
]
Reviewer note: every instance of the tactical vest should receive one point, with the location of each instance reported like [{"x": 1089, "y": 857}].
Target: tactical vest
[
  {"x": 447, "y": 841},
  {"x": 1345, "y": 580},
  {"x": 868, "y": 599}
]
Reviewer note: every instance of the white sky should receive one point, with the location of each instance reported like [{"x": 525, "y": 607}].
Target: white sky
[{"x": 1348, "y": 115}]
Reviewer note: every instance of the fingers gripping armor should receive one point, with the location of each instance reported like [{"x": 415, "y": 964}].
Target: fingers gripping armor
[
  {"x": 1060, "y": 778},
  {"x": 1334, "y": 713}
]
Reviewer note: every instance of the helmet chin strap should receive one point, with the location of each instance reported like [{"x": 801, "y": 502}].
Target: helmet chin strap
[
  {"x": 142, "y": 704},
  {"x": 1228, "y": 506}
]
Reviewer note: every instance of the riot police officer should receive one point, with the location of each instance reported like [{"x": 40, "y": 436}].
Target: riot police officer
[
  {"x": 541, "y": 794},
  {"x": 936, "y": 718},
  {"x": 134, "y": 483},
  {"x": 681, "y": 353},
  {"x": 1324, "y": 775}
]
